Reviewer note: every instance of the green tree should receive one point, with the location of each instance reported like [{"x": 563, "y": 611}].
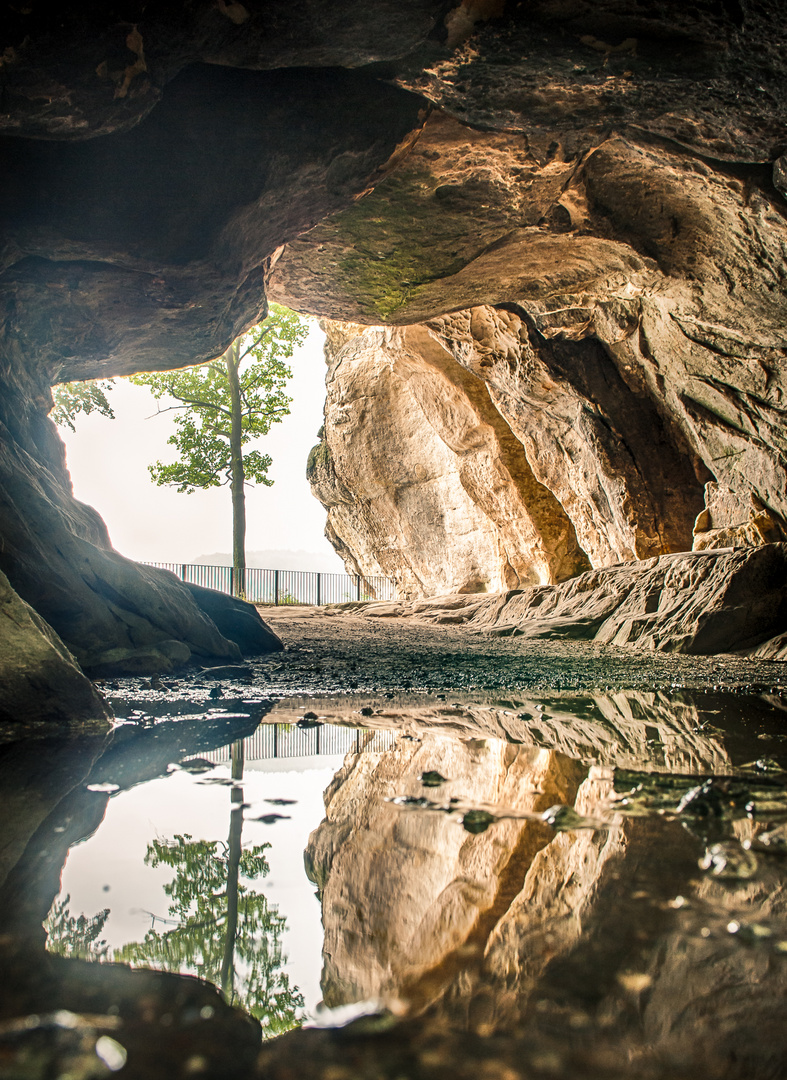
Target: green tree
[
  {"x": 224, "y": 931},
  {"x": 224, "y": 405},
  {"x": 72, "y": 398},
  {"x": 75, "y": 935}
]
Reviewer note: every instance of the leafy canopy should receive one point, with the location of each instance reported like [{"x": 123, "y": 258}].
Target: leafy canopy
[
  {"x": 203, "y": 401},
  {"x": 75, "y": 935},
  {"x": 199, "y": 908},
  {"x": 80, "y": 397}
]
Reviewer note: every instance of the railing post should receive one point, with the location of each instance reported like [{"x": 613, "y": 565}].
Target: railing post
[
  {"x": 182, "y": 571},
  {"x": 357, "y": 586},
  {"x": 276, "y": 587},
  {"x": 319, "y": 576}
]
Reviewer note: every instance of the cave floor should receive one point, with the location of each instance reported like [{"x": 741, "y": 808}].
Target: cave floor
[{"x": 330, "y": 651}]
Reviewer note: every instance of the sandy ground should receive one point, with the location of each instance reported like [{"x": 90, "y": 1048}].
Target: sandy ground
[{"x": 329, "y": 651}]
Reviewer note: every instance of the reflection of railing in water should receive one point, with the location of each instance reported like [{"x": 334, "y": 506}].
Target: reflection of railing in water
[
  {"x": 285, "y": 586},
  {"x": 289, "y": 741}
]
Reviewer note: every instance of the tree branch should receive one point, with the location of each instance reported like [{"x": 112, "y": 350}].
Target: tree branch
[
  {"x": 255, "y": 343},
  {"x": 187, "y": 403}
]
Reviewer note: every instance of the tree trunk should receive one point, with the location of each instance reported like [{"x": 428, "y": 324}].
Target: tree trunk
[
  {"x": 234, "y": 849},
  {"x": 238, "y": 480}
]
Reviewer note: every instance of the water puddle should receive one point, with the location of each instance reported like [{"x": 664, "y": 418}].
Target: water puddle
[{"x": 602, "y": 871}]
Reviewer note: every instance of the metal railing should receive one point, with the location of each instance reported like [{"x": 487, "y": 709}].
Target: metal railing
[
  {"x": 285, "y": 586},
  {"x": 289, "y": 741}
]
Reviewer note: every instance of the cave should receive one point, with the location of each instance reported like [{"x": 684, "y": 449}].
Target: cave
[{"x": 547, "y": 243}]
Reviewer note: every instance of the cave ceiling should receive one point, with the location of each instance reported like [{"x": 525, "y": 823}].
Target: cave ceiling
[{"x": 154, "y": 162}]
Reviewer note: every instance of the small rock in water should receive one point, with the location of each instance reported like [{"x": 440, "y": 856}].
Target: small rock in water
[
  {"x": 563, "y": 818},
  {"x": 418, "y": 802},
  {"x": 216, "y": 692},
  {"x": 477, "y": 821},
  {"x": 716, "y": 797},
  {"x": 729, "y": 861},
  {"x": 432, "y": 779},
  {"x": 271, "y": 819},
  {"x": 196, "y": 766},
  {"x": 281, "y": 802}
]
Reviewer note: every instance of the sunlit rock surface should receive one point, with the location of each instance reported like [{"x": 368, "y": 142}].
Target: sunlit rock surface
[
  {"x": 424, "y": 480},
  {"x": 612, "y": 318},
  {"x": 699, "y": 603}
]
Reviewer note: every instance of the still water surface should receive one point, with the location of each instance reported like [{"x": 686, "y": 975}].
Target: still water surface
[{"x": 605, "y": 870}]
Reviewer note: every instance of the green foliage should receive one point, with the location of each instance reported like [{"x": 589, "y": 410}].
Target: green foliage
[
  {"x": 203, "y": 396},
  {"x": 80, "y": 397},
  {"x": 199, "y": 893},
  {"x": 75, "y": 936},
  {"x": 319, "y": 458}
]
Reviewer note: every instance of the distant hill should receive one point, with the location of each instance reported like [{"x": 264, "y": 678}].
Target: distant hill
[{"x": 280, "y": 560}]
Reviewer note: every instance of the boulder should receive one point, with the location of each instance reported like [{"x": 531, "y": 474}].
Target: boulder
[
  {"x": 41, "y": 685},
  {"x": 239, "y": 621}
]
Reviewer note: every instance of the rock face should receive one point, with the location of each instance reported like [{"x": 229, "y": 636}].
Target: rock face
[
  {"x": 611, "y": 314},
  {"x": 424, "y": 480},
  {"x": 585, "y": 246},
  {"x": 697, "y": 603}
]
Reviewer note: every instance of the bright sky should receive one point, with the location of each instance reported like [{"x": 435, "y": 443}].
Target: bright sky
[{"x": 108, "y": 461}]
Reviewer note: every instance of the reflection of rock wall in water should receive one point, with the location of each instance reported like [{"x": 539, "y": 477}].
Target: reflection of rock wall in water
[
  {"x": 576, "y": 934},
  {"x": 402, "y": 891},
  {"x": 673, "y": 732}
]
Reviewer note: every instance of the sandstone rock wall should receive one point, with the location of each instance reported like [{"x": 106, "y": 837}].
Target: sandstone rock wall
[
  {"x": 608, "y": 301},
  {"x": 424, "y": 479}
]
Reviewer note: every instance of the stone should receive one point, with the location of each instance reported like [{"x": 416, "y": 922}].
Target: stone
[
  {"x": 726, "y": 523},
  {"x": 610, "y": 179},
  {"x": 511, "y": 464},
  {"x": 238, "y": 620},
  {"x": 701, "y": 603},
  {"x": 451, "y": 502},
  {"x": 616, "y": 349},
  {"x": 42, "y": 688}
]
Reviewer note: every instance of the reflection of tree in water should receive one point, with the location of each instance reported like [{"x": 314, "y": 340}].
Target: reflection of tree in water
[
  {"x": 224, "y": 931},
  {"x": 76, "y": 936}
]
